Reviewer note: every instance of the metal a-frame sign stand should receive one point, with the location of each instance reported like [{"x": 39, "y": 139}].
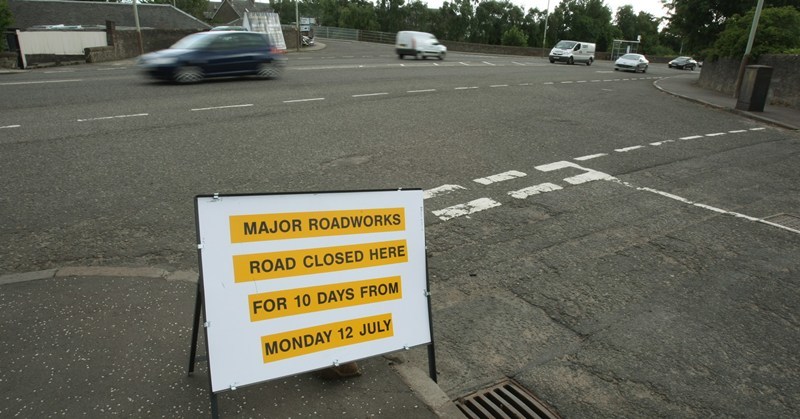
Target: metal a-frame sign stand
[{"x": 200, "y": 312}]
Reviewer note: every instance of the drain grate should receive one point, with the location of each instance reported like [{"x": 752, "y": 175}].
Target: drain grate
[
  {"x": 506, "y": 399},
  {"x": 786, "y": 220}
]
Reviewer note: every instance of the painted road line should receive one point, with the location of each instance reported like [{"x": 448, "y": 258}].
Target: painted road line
[
  {"x": 627, "y": 149},
  {"x": 591, "y": 156},
  {"x": 535, "y": 190},
  {"x": 590, "y": 175},
  {"x": 10, "y": 126},
  {"x": 757, "y": 129},
  {"x": 658, "y": 143},
  {"x": 499, "y": 85},
  {"x": 691, "y": 137},
  {"x": 223, "y": 107},
  {"x": 706, "y": 207},
  {"x": 737, "y": 131},
  {"x": 567, "y": 82},
  {"x": 440, "y": 190},
  {"x": 500, "y": 177},
  {"x": 548, "y": 82},
  {"x": 113, "y": 117},
  {"x": 19, "y": 83},
  {"x": 715, "y": 134},
  {"x": 420, "y": 91},
  {"x": 303, "y": 100},
  {"x": 488, "y": 63},
  {"x": 466, "y": 88},
  {"x": 372, "y": 94},
  {"x": 469, "y": 208}
]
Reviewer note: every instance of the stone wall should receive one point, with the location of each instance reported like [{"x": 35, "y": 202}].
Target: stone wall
[
  {"x": 784, "y": 88},
  {"x": 9, "y": 60}
]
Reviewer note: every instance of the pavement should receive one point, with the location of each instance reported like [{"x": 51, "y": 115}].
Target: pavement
[{"x": 102, "y": 341}]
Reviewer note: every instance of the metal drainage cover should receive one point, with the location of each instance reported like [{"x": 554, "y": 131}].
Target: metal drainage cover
[
  {"x": 506, "y": 399},
  {"x": 786, "y": 220}
]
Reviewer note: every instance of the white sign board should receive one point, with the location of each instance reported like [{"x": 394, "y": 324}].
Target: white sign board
[{"x": 299, "y": 282}]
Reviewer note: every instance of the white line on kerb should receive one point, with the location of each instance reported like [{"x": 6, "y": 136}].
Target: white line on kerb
[
  {"x": 371, "y": 94},
  {"x": 488, "y": 63},
  {"x": 535, "y": 190},
  {"x": 303, "y": 100},
  {"x": 591, "y": 156},
  {"x": 223, "y": 107},
  {"x": 112, "y": 117},
  {"x": 11, "y": 126},
  {"x": 38, "y": 82},
  {"x": 500, "y": 177},
  {"x": 470, "y": 207},
  {"x": 440, "y": 190},
  {"x": 421, "y": 91}
]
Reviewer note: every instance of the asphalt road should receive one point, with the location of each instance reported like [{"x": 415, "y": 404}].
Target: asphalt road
[{"x": 588, "y": 235}]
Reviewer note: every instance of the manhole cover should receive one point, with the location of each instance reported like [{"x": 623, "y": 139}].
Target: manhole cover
[
  {"x": 506, "y": 399},
  {"x": 786, "y": 220}
]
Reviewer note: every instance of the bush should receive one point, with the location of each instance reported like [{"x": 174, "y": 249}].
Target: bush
[
  {"x": 514, "y": 37},
  {"x": 778, "y": 33}
]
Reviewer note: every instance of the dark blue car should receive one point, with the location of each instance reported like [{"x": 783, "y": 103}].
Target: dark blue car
[{"x": 215, "y": 54}]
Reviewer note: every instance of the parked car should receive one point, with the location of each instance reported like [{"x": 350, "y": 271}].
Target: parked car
[
  {"x": 571, "y": 52},
  {"x": 632, "y": 62},
  {"x": 419, "y": 45},
  {"x": 687, "y": 63},
  {"x": 215, "y": 54}
]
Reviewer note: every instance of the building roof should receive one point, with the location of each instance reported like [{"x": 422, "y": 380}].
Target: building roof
[{"x": 30, "y": 13}]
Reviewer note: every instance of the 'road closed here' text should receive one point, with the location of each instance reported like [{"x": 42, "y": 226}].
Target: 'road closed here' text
[
  {"x": 327, "y": 336},
  {"x": 260, "y": 266}
]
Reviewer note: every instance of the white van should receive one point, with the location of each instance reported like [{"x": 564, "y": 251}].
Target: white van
[
  {"x": 419, "y": 45},
  {"x": 573, "y": 52}
]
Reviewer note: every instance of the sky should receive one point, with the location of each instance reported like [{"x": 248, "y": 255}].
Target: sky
[{"x": 648, "y": 6}]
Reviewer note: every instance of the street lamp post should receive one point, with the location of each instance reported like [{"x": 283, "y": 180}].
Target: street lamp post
[{"x": 544, "y": 36}]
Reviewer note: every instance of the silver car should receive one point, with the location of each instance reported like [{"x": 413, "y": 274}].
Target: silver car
[{"x": 632, "y": 62}]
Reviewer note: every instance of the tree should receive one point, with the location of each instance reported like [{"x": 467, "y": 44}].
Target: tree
[
  {"x": 778, "y": 33},
  {"x": 584, "y": 20},
  {"x": 6, "y": 20},
  {"x": 699, "y": 22}
]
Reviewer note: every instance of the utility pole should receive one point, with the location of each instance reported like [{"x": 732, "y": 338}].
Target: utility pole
[
  {"x": 748, "y": 48},
  {"x": 138, "y": 29},
  {"x": 544, "y": 37}
]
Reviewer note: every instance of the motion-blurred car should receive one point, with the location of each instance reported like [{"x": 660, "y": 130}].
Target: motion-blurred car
[
  {"x": 632, "y": 62},
  {"x": 228, "y": 28},
  {"x": 682, "y": 63},
  {"x": 215, "y": 54}
]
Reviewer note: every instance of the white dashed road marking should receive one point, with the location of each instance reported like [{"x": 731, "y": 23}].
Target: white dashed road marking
[
  {"x": 113, "y": 117},
  {"x": 500, "y": 177},
  {"x": 470, "y": 207},
  {"x": 440, "y": 190},
  {"x": 535, "y": 190}
]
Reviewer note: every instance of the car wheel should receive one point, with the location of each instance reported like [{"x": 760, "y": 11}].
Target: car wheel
[
  {"x": 691, "y": 68},
  {"x": 419, "y": 56},
  {"x": 588, "y": 63},
  {"x": 188, "y": 74},
  {"x": 441, "y": 56},
  {"x": 552, "y": 61},
  {"x": 400, "y": 56},
  {"x": 269, "y": 70},
  {"x": 644, "y": 69},
  {"x": 570, "y": 61}
]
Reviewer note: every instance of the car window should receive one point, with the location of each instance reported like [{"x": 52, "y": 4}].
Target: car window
[
  {"x": 577, "y": 47},
  {"x": 565, "y": 45},
  {"x": 194, "y": 41},
  {"x": 630, "y": 57}
]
